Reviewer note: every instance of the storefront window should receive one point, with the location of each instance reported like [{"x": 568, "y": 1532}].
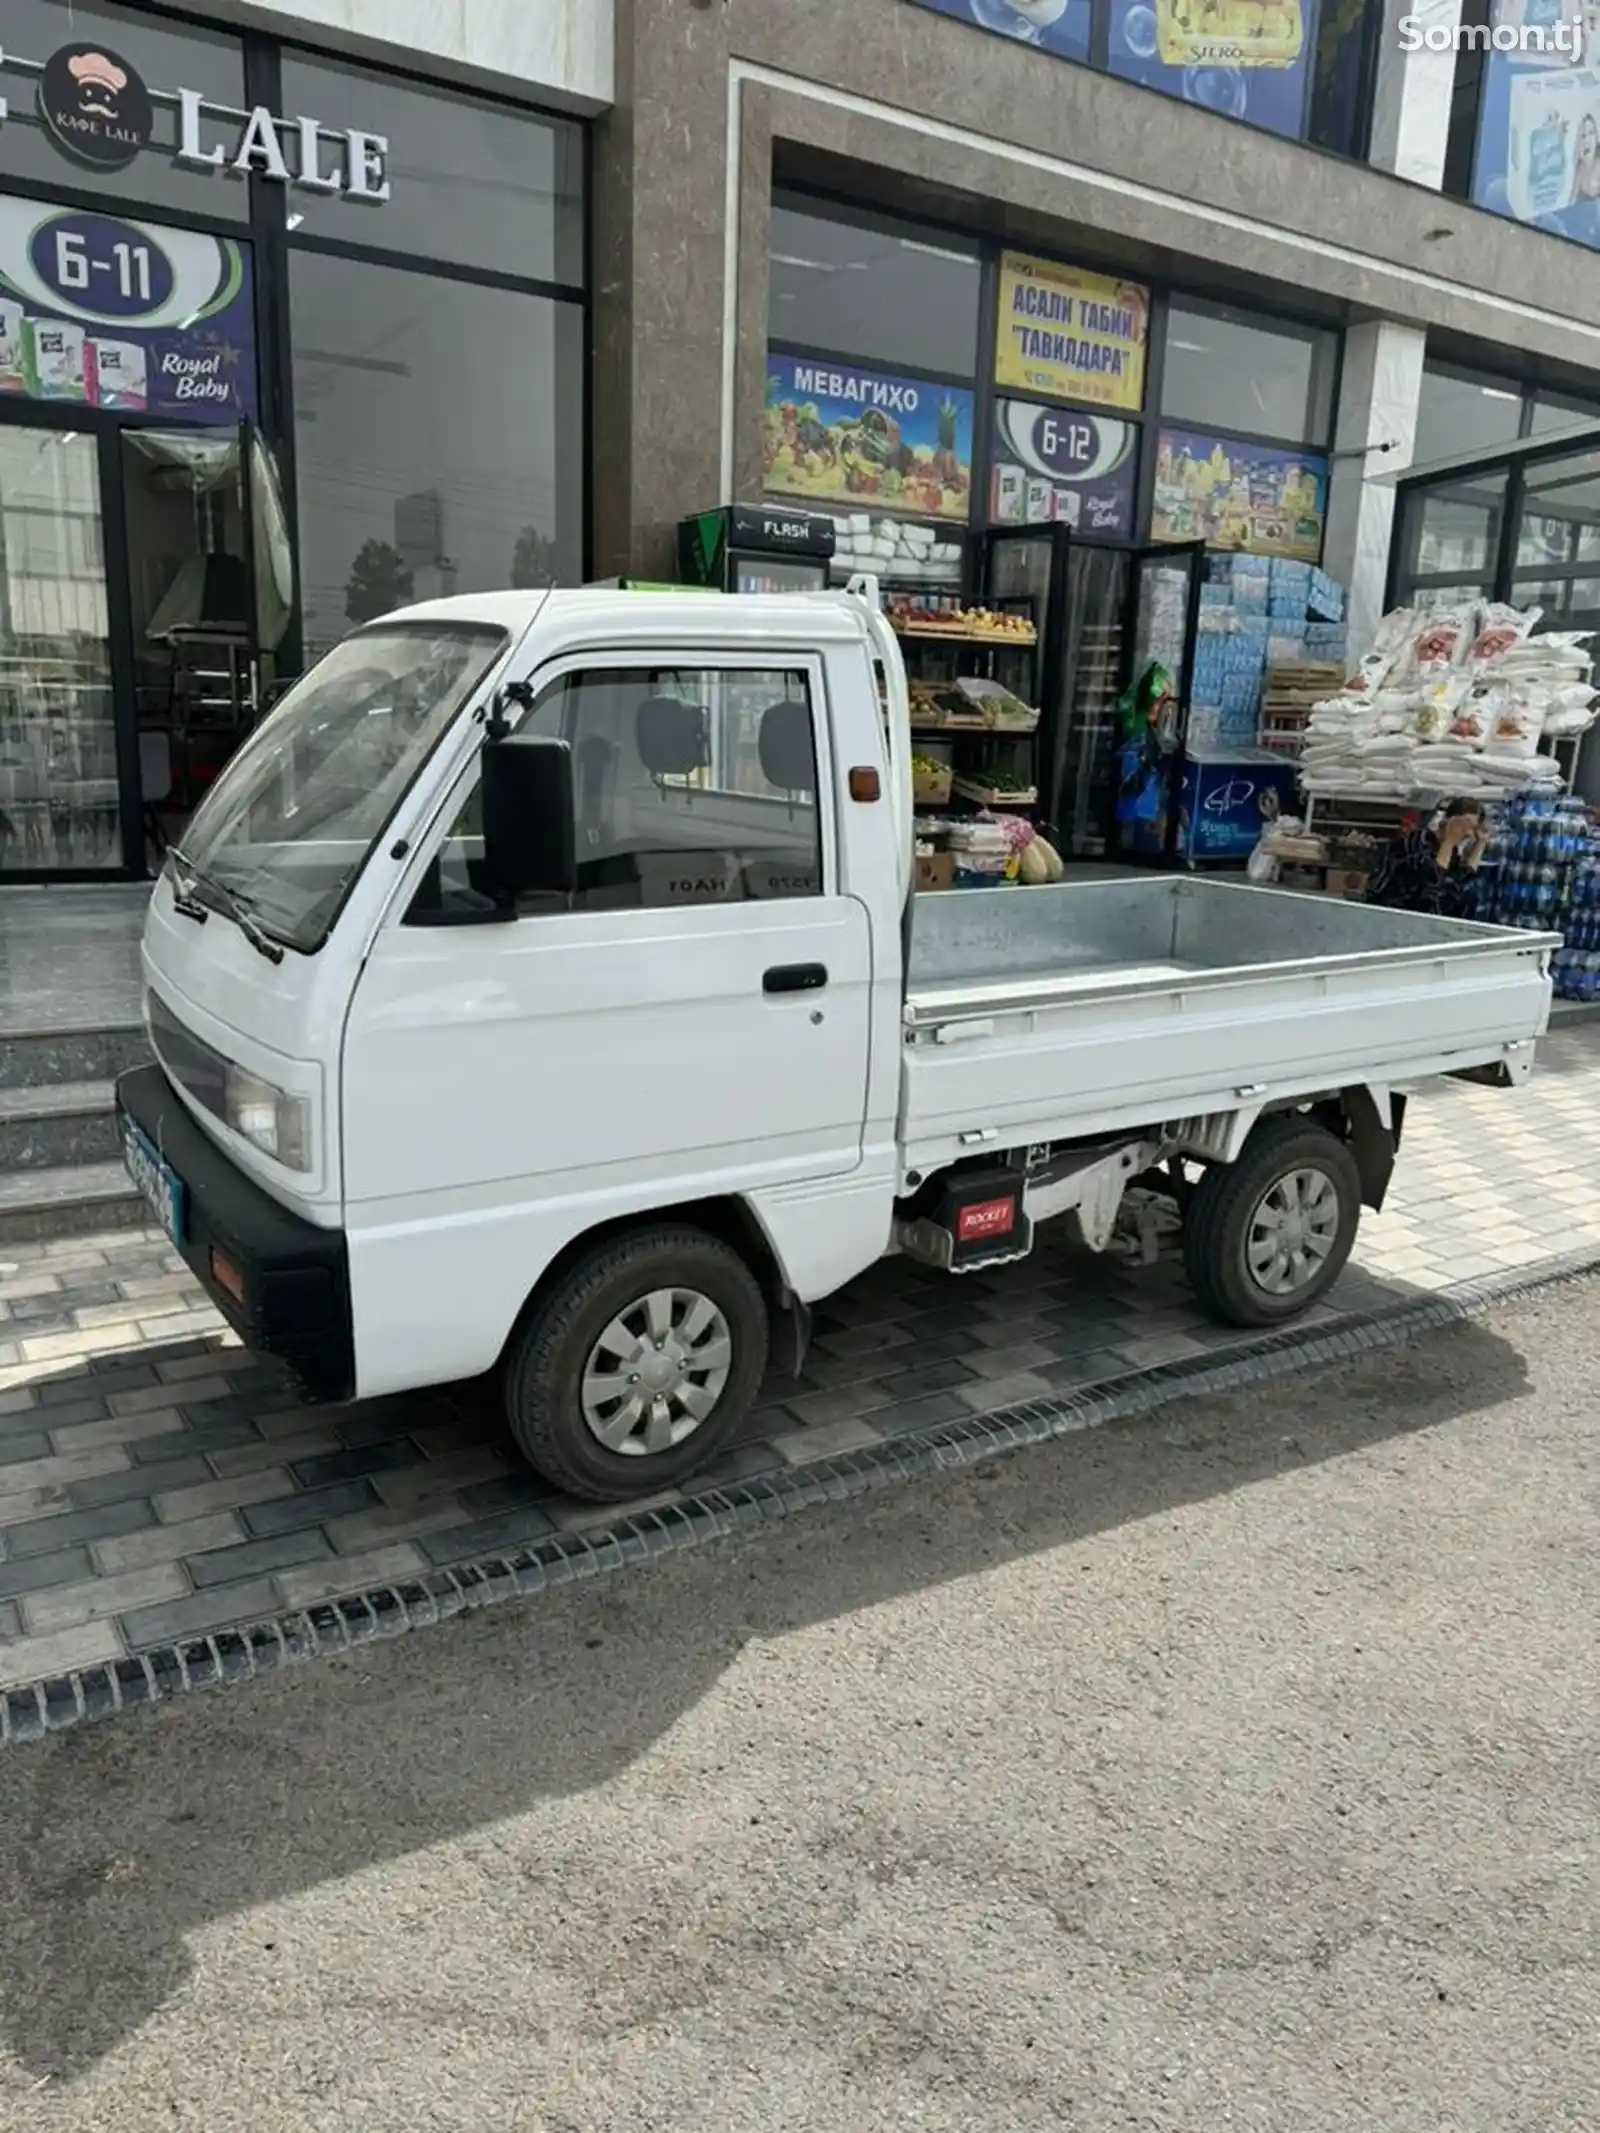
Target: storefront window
[
  {"x": 439, "y": 439},
  {"x": 58, "y": 769},
  {"x": 157, "y": 58},
  {"x": 1452, "y": 529},
  {"x": 1553, "y": 411},
  {"x": 889, "y": 293},
  {"x": 1464, "y": 411},
  {"x": 1560, "y": 522},
  {"x": 153, "y": 590},
  {"x": 471, "y": 183},
  {"x": 1228, "y": 369}
]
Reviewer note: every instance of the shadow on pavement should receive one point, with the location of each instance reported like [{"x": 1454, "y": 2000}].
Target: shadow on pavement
[{"x": 118, "y": 1841}]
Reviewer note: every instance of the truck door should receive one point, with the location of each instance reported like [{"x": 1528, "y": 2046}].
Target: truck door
[{"x": 692, "y": 1021}]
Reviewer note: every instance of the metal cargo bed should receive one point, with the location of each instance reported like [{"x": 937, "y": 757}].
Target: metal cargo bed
[{"x": 1044, "y": 1014}]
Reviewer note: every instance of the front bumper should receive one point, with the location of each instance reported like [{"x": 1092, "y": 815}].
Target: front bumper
[{"x": 293, "y": 1278}]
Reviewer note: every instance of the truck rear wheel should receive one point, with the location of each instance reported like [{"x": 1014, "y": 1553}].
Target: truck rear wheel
[
  {"x": 1265, "y": 1236},
  {"x": 637, "y": 1364}
]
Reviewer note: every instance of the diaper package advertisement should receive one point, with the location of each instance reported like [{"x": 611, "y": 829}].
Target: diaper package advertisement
[
  {"x": 111, "y": 313},
  {"x": 1538, "y": 152},
  {"x": 1051, "y": 464}
]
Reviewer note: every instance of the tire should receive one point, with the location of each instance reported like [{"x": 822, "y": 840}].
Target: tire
[
  {"x": 568, "y": 1377},
  {"x": 1222, "y": 1226}
]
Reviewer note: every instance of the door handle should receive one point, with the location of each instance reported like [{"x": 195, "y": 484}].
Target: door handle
[{"x": 794, "y": 977}]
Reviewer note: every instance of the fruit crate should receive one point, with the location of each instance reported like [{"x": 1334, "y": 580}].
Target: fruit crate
[{"x": 974, "y": 788}]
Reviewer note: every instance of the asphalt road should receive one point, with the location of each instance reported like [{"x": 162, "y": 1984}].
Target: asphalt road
[{"x": 1237, "y": 1768}]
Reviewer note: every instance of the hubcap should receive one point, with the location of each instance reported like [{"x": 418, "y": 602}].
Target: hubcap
[
  {"x": 1292, "y": 1231},
  {"x": 656, "y": 1372}
]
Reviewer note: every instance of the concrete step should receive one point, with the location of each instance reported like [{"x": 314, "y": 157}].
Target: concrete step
[
  {"x": 48, "y": 1128},
  {"x": 68, "y": 1201},
  {"x": 45, "y": 1058}
]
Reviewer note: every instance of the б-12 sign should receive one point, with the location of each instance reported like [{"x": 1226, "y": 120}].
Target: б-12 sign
[{"x": 1055, "y": 463}]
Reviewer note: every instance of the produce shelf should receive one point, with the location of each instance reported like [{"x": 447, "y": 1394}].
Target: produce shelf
[
  {"x": 992, "y": 796},
  {"x": 946, "y": 633},
  {"x": 952, "y": 731}
]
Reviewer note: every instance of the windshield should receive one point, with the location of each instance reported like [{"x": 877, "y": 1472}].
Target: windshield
[{"x": 289, "y": 824}]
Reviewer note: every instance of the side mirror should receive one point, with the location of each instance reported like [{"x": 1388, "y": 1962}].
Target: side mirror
[{"x": 529, "y": 817}]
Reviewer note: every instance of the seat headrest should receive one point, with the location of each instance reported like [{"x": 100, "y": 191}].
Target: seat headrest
[
  {"x": 670, "y": 736},
  {"x": 788, "y": 755}
]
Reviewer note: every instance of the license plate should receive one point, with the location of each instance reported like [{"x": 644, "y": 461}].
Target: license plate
[{"x": 156, "y": 1179}]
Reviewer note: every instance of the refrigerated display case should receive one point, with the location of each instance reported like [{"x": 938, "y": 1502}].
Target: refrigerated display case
[
  {"x": 1079, "y": 752},
  {"x": 1161, "y": 622},
  {"x": 756, "y": 548},
  {"x": 1105, "y": 612}
]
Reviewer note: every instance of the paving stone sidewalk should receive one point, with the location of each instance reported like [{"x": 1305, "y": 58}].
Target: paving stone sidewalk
[{"x": 156, "y": 1483}]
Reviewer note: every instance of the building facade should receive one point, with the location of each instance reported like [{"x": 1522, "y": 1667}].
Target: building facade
[
  {"x": 312, "y": 308},
  {"x": 1301, "y": 230},
  {"x": 294, "y": 327}
]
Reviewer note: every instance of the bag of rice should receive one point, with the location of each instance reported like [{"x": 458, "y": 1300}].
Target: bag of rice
[
  {"x": 1474, "y": 720},
  {"x": 1442, "y": 641},
  {"x": 1516, "y": 728},
  {"x": 1500, "y": 627}
]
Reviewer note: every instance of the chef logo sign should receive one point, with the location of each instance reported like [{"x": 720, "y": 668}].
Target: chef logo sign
[{"x": 95, "y": 106}]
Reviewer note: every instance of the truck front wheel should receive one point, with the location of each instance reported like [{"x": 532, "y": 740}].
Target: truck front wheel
[
  {"x": 637, "y": 1363},
  {"x": 1265, "y": 1236}
]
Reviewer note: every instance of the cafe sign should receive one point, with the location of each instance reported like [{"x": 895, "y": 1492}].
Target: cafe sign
[{"x": 95, "y": 106}]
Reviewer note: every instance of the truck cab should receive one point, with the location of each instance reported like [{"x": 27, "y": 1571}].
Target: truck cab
[{"x": 522, "y": 920}]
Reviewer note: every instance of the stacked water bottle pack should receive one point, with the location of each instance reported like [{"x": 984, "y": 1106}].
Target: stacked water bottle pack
[
  {"x": 1576, "y": 964},
  {"x": 1548, "y": 881}
]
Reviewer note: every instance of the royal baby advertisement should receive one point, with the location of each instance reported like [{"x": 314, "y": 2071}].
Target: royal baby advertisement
[
  {"x": 1052, "y": 465},
  {"x": 106, "y": 312}
]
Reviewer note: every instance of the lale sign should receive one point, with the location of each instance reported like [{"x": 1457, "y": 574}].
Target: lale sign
[{"x": 96, "y": 108}]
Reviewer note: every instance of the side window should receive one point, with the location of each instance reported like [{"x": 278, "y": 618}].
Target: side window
[{"x": 692, "y": 786}]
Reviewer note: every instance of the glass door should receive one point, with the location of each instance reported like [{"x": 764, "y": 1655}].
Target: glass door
[
  {"x": 192, "y": 605},
  {"x": 1024, "y": 570},
  {"x": 59, "y": 792},
  {"x": 1081, "y": 752},
  {"x": 1163, "y": 618},
  {"x": 775, "y": 574}
]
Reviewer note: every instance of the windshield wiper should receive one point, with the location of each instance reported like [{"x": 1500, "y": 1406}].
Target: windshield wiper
[{"x": 230, "y": 903}]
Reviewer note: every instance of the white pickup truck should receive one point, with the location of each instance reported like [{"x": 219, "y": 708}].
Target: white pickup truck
[{"x": 541, "y": 990}]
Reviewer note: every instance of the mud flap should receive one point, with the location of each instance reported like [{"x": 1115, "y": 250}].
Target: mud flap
[
  {"x": 1372, "y": 1143},
  {"x": 791, "y": 1334}
]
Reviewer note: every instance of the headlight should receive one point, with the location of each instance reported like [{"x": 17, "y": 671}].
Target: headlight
[{"x": 275, "y": 1122}]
